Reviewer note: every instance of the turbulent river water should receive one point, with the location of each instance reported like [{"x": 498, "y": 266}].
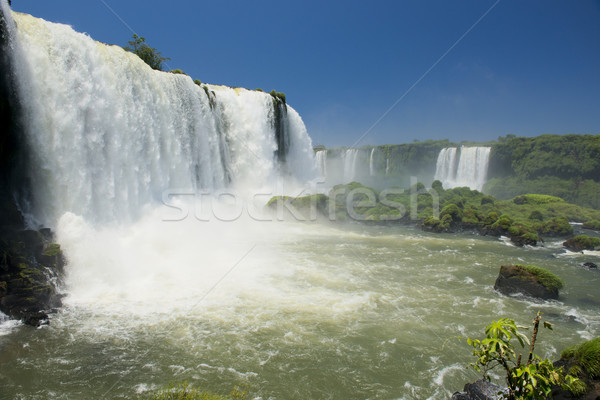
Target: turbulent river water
[{"x": 287, "y": 310}]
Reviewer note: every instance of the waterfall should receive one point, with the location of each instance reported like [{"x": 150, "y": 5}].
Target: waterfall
[
  {"x": 350, "y": 164},
  {"x": 465, "y": 167},
  {"x": 387, "y": 166},
  {"x": 321, "y": 160},
  {"x": 108, "y": 135},
  {"x": 371, "y": 169}
]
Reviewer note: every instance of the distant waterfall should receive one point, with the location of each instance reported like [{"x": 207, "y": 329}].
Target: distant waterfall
[
  {"x": 108, "y": 135},
  {"x": 350, "y": 164},
  {"x": 387, "y": 166},
  {"x": 465, "y": 167},
  {"x": 371, "y": 169},
  {"x": 321, "y": 160}
]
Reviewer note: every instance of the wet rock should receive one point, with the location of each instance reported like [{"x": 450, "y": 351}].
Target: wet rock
[
  {"x": 480, "y": 390},
  {"x": 527, "y": 280},
  {"x": 589, "y": 265}
]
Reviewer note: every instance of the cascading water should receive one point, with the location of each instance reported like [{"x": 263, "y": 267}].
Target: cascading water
[
  {"x": 110, "y": 135},
  {"x": 467, "y": 167},
  {"x": 321, "y": 160},
  {"x": 371, "y": 169},
  {"x": 350, "y": 164}
]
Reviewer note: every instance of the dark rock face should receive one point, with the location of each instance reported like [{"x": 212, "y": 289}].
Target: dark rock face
[
  {"x": 513, "y": 280},
  {"x": 480, "y": 390},
  {"x": 30, "y": 268},
  {"x": 589, "y": 265},
  {"x": 30, "y": 263}
]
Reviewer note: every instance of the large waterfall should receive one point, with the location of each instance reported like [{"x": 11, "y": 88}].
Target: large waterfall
[
  {"x": 108, "y": 135},
  {"x": 466, "y": 166}
]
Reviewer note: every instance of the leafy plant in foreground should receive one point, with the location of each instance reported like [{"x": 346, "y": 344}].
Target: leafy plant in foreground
[{"x": 530, "y": 379}]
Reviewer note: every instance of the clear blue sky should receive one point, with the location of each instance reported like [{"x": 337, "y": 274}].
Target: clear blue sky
[{"x": 528, "y": 68}]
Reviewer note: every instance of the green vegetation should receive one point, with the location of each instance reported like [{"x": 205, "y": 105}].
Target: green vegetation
[
  {"x": 149, "y": 55},
  {"x": 587, "y": 355},
  {"x": 525, "y": 219},
  {"x": 198, "y": 82},
  {"x": 550, "y": 281},
  {"x": 278, "y": 95},
  {"x": 530, "y": 378},
  {"x": 177, "y": 72},
  {"x": 565, "y": 166},
  {"x": 582, "y": 242},
  {"x": 185, "y": 392},
  {"x": 593, "y": 224}
]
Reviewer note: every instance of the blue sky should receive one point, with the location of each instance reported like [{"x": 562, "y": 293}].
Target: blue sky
[{"x": 527, "y": 68}]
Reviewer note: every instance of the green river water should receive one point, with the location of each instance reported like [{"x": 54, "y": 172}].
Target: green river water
[{"x": 295, "y": 311}]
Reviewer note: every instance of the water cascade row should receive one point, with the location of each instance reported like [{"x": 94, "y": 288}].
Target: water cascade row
[
  {"x": 467, "y": 166},
  {"x": 107, "y": 134}
]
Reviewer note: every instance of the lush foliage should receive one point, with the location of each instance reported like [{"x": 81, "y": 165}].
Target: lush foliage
[
  {"x": 587, "y": 355},
  {"x": 582, "y": 242},
  {"x": 532, "y": 378},
  {"x": 593, "y": 224},
  {"x": 565, "y": 166},
  {"x": 551, "y": 281},
  {"x": 177, "y": 72},
  {"x": 278, "y": 95},
  {"x": 565, "y": 157},
  {"x": 149, "y": 55},
  {"x": 524, "y": 219},
  {"x": 185, "y": 392}
]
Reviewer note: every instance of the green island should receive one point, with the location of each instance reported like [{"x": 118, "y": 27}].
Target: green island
[{"x": 526, "y": 219}]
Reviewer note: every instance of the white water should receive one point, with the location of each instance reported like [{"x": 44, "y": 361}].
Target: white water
[
  {"x": 387, "y": 166},
  {"x": 371, "y": 169},
  {"x": 110, "y": 135},
  {"x": 467, "y": 167},
  {"x": 350, "y": 165},
  {"x": 321, "y": 160}
]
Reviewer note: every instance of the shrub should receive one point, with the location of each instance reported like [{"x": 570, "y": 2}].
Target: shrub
[
  {"x": 278, "y": 95},
  {"x": 593, "y": 224},
  {"x": 550, "y": 280},
  {"x": 453, "y": 211},
  {"x": 536, "y": 215},
  {"x": 437, "y": 186},
  {"x": 582, "y": 242},
  {"x": 558, "y": 226},
  {"x": 487, "y": 199},
  {"x": 530, "y": 378},
  {"x": 198, "y": 82},
  {"x": 149, "y": 55},
  {"x": 587, "y": 355},
  {"x": 537, "y": 199},
  {"x": 177, "y": 72},
  {"x": 184, "y": 391}
]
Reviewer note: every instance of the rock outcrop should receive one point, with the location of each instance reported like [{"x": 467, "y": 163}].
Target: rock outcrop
[
  {"x": 528, "y": 280},
  {"x": 480, "y": 390}
]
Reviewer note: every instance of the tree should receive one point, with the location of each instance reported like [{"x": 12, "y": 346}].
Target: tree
[
  {"x": 532, "y": 379},
  {"x": 149, "y": 55}
]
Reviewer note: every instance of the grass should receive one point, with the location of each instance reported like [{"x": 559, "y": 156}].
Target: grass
[
  {"x": 550, "y": 281},
  {"x": 184, "y": 391},
  {"x": 587, "y": 355}
]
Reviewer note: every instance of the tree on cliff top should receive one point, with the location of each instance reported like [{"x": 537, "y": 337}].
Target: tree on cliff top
[{"x": 149, "y": 55}]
